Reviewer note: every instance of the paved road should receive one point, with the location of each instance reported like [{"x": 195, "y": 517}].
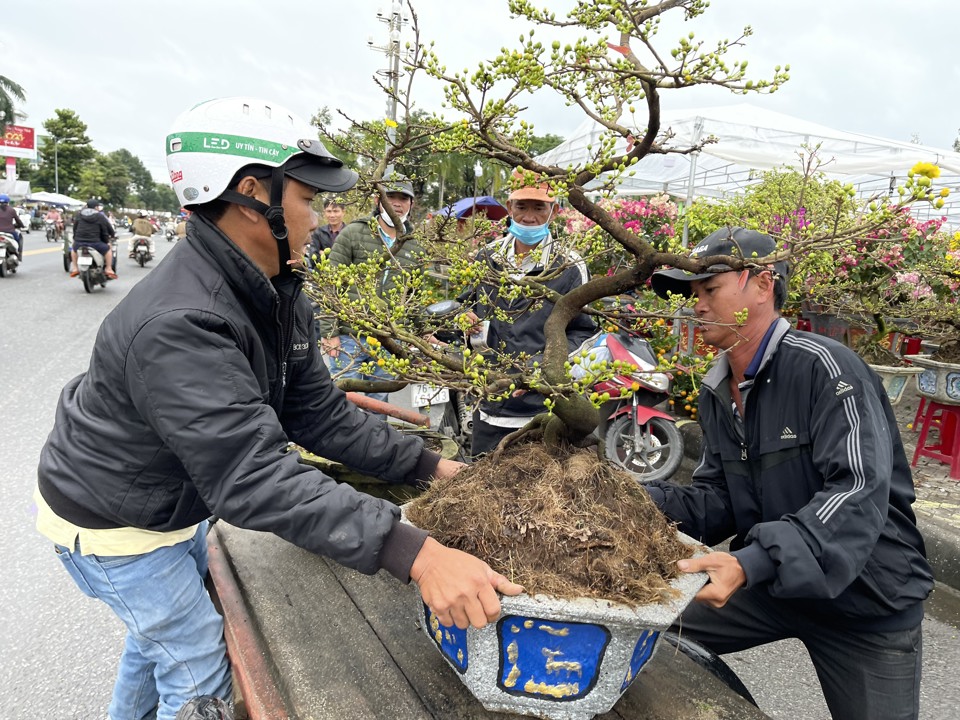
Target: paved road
[{"x": 59, "y": 649}]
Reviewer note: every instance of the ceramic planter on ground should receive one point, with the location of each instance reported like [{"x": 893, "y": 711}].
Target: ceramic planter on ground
[
  {"x": 895, "y": 379},
  {"x": 939, "y": 381},
  {"x": 558, "y": 659}
]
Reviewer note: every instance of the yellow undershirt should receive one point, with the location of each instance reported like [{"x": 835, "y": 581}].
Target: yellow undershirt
[{"x": 108, "y": 543}]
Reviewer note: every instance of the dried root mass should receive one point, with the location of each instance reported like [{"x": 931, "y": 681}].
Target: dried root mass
[{"x": 566, "y": 525}]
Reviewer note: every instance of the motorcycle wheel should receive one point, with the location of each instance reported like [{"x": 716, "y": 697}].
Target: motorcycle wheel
[
  {"x": 142, "y": 259},
  {"x": 66, "y": 262},
  {"x": 658, "y": 458},
  {"x": 3, "y": 268},
  {"x": 87, "y": 282}
]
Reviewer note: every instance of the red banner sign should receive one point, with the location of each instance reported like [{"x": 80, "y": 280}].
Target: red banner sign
[{"x": 18, "y": 141}]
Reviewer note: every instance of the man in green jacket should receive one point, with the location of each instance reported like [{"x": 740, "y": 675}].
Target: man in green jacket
[{"x": 358, "y": 242}]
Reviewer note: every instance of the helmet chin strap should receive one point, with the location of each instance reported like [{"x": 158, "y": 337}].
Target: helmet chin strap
[{"x": 273, "y": 213}]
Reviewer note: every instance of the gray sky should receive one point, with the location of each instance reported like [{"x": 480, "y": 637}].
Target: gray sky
[{"x": 128, "y": 67}]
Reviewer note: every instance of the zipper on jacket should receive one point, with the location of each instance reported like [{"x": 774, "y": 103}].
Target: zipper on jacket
[{"x": 285, "y": 321}]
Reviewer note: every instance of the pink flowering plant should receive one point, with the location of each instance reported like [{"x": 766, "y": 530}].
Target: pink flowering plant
[
  {"x": 902, "y": 272},
  {"x": 652, "y": 219},
  {"x": 870, "y": 261}
]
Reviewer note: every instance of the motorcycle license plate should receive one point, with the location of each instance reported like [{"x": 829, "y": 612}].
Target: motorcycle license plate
[
  {"x": 141, "y": 249},
  {"x": 3, "y": 252},
  {"x": 424, "y": 394},
  {"x": 85, "y": 261}
]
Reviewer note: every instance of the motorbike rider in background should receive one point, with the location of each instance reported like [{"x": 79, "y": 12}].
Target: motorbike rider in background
[
  {"x": 10, "y": 223},
  {"x": 91, "y": 228},
  {"x": 53, "y": 215},
  {"x": 141, "y": 229}
]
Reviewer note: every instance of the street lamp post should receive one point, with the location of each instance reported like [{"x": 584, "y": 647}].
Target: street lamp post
[
  {"x": 56, "y": 163},
  {"x": 477, "y": 174},
  {"x": 56, "y": 167}
]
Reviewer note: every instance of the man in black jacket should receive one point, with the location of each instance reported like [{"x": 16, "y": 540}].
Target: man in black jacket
[
  {"x": 528, "y": 251},
  {"x": 803, "y": 465},
  {"x": 198, "y": 381},
  {"x": 324, "y": 236},
  {"x": 91, "y": 228}
]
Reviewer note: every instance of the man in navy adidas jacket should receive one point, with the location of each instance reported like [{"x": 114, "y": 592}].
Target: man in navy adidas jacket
[{"x": 803, "y": 466}]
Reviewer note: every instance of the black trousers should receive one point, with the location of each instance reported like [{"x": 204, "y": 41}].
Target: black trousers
[{"x": 863, "y": 675}]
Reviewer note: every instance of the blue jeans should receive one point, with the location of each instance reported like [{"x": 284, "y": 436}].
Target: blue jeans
[
  {"x": 174, "y": 649},
  {"x": 352, "y": 354}
]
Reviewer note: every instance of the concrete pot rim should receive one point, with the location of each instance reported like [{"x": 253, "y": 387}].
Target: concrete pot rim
[
  {"x": 897, "y": 369},
  {"x": 925, "y": 361},
  {"x": 583, "y": 609}
]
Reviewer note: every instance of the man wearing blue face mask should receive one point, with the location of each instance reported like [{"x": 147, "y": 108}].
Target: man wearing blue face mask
[
  {"x": 365, "y": 238},
  {"x": 527, "y": 251}
]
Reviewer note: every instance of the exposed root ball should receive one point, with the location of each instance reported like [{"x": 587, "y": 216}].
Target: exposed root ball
[{"x": 565, "y": 525}]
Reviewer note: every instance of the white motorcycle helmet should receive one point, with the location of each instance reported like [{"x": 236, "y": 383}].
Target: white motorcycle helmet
[{"x": 208, "y": 144}]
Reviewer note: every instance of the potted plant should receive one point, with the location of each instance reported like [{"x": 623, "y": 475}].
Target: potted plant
[
  {"x": 599, "y": 590},
  {"x": 940, "y": 376}
]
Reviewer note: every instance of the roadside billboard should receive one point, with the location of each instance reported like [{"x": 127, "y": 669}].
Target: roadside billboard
[{"x": 18, "y": 141}]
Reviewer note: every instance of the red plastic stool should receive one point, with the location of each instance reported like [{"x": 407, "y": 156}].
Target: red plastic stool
[
  {"x": 918, "y": 418},
  {"x": 946, "y": 419}
]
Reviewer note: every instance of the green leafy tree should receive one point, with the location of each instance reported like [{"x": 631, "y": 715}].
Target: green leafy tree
[
  {"x": 106, "y": 177},
  {"x": 63, "y": 154},
  {"x": 10, "y": 94},
  {"x": 539, "y": 144},
  {"x": 164, "y": 198},
  {"x": 139, "y": 177}
]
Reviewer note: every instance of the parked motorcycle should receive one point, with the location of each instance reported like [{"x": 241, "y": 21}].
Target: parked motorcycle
[
  {"x": 92, "y": 267},
  {"x": 638, "y": 437},
  {"x": 9, "y": 258},
  {"x": 141, "y": 250}
]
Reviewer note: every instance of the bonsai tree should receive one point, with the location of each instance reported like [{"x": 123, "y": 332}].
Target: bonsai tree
[{"x": 615, "y": 74}]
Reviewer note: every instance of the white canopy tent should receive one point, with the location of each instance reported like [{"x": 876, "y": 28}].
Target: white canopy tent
[
  {"x": 750, "y": 139},
  {"x": 49, "y": 198}
]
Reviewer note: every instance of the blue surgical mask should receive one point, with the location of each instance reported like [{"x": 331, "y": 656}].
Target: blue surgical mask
[{"x": 530, "y": 234}]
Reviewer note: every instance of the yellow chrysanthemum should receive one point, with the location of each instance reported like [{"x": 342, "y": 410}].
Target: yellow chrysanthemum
[{"x": 926, "y": 170}]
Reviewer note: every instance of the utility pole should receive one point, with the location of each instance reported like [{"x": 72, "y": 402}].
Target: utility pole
[
  {"x": 394, "y": 19},
  {"x": 56, "y": 166}
]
